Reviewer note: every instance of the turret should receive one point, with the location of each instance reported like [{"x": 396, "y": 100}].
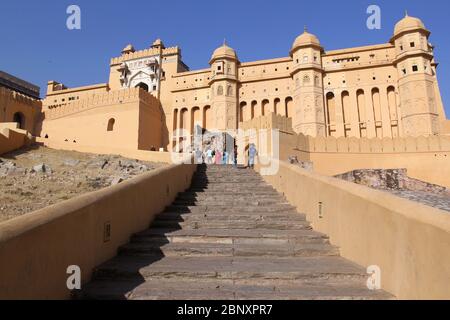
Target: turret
[
  {"x": 224, "y": 87},
  {"x": 307, "y": 75},
  {"x": 417, "y": 83}
]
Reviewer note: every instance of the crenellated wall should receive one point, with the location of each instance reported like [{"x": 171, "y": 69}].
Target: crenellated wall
[
  {"x": 13, "y": 103},
  {"x": 425, "y": 158},
  {"x": 123, "y": 119}
]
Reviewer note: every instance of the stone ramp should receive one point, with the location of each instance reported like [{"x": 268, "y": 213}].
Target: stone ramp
[{"x": 231, "y": 236}]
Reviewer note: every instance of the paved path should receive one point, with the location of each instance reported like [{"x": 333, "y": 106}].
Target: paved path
[{"x": 230, "y": 236}]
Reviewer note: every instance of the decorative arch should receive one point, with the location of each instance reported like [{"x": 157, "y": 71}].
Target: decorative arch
[
  {"x": 253, "y": 113},
  {"x": 277, "y": 107},
  {"x": 265, "y": 107},
  {"x": 243, "y": 111},
  {"x": 376, "y": 104},
  {"x": 111, "y": 123},
  {"x": 289, "y": 107},
  {"x": 184, "y": 121},
  {"x": 207, "y": 121},
  {"x": 143, "y": 86},
  {"x": 220, "y": 90},
  {"x": 196, "y": 119},
  {"x": 19, "y": 118},
  {"x": 229, "y": 91},
  {"x": 346, "y": 111},
  {"x": 331, "y": 111},
  {"x": 175, "y": 119}
]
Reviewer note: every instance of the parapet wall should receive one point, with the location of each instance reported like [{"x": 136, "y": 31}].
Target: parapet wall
[
  {"x": 408, "y": 241},
  {"x": 98, "y": 100},
  {"x": 144, "y": 53},
  {"x": 36, "y": 249},
  {"x": 425, "y": 158},
  {"x": 11, "y": 138},
  {"x": 18, "y": 97},
  {"x": 142, "y": 155}
]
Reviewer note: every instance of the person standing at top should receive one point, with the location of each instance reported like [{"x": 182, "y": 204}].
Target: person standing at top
[
  {"x": 218, "y": 157},
  {"x": 235, "y": 156},
  {"x": 225, "y": 158},
  {"x": 252, "y": 153},
  {"x": 209, "y": 156}
]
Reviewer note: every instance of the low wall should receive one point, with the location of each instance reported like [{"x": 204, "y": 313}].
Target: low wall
[
  {"x": 11, "y": 138},
  {"x": 409, "y": 241},
  {"x": 163, "y": 157},
  {"x": 37, "y": 248}
]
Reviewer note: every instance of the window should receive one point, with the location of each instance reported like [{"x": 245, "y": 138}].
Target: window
[
  {"x": 404, "y": 71},
  {"x": 154, "y": 88},
  {"x": 415, "y": 68},
  {"x": 412, "y": 44},
  {"x": 111, "y": 123},
  {"x": 219, "y": 68},
  {"x": 220, "y": 91}
]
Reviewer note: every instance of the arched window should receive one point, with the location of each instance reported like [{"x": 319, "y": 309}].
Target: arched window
[
  {"x": 143, "y": 86},
  {"x": 306, "y": 79},
  {"x": 220, "y": 91},
  {"x": 20, "y": 119},
  {"x": 229, "y": 91},
  {"x": 111, "y": 123}
]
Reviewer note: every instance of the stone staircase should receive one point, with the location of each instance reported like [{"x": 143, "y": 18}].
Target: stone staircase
[{"x": 230, "y": 236}]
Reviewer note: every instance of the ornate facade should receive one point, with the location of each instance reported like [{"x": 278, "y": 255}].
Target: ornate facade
[{"x": 380, "y": 91}]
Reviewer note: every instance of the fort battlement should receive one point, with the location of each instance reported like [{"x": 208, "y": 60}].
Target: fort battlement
[
  {"x": 115, "y": 97},
  {"x": 302, "y": 143},
  {"x": 144, "y": 53},
  {"x": 7, "y": 94}
]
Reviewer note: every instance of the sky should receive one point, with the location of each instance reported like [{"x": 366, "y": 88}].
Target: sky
[{"x": 36, "y": 45}]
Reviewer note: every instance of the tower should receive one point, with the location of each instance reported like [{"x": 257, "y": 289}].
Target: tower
[
  {"x": 416, "y": 80},
  {"x": 307, "y": 75},
  {"x": 224, "y": 88}
]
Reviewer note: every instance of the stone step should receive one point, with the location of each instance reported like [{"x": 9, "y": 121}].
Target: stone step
[
  {"x": 188, "y": 289},
  {"x": 228, "y": 202},
  {"x": 228, "y": 179},
  {"x": 230, "y": 236},
  {"x": 228, "y": 209},
  {"x": 212, "y": 188},
  {"x": 248, "y": 268},
  {"x": 228, "y": 250},
  {"x": 231, "y": 224},
  {"x": 230, "y": 184},
  {"x": 232, "y": 196},
  {"x": 244, "y": 217}
]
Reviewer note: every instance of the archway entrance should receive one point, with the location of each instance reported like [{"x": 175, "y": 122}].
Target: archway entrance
[
  {"x": 143, "y": 86},
  {"x": 20, "y": 119}
]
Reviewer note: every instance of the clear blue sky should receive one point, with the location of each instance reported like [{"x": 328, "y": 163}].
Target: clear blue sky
[{"x": 37, "y": 46}]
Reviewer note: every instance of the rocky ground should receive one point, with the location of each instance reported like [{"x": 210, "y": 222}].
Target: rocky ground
[
  {"x": 36, "y": 177},
  {"x": 396, "y": 181}
]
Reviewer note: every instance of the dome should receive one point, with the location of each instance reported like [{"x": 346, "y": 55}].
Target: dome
[
  {"x": 128, "y": 49},
  {"x": 305, "y": 39},
  {"x": 158, "y": 43},
  {"x": 408, "y": 24},
  {"x": 224, "y": 52}
]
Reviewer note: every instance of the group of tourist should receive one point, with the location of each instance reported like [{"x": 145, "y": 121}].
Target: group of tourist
[{"x": 219, "y": 157}]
